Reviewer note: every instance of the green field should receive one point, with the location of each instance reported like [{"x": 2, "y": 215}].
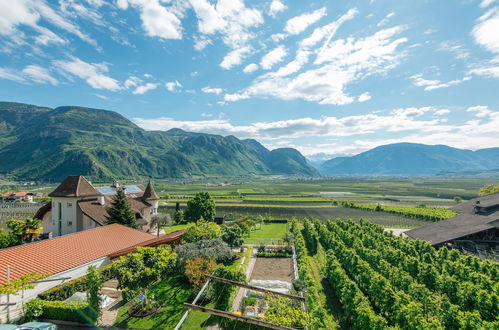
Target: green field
[{"x": 266, "y": 233}]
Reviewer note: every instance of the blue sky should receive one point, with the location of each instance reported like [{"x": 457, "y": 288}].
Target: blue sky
[{"x": 325, "y": 77}]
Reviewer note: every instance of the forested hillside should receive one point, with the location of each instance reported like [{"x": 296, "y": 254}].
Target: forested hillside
[{"x": 49, "y": 144}]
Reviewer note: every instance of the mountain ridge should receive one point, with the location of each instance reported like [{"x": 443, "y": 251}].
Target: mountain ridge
[
  {"x": 412, "y": 159},
  {"x": 40, "y": 143}
]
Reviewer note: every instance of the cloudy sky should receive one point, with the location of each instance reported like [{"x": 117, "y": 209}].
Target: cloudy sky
[{"x": 325, "y": 77}]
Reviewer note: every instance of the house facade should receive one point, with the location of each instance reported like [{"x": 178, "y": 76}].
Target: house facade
[
  {"x": 16, "y": 197},
  {"x": 77, "y": 205}
]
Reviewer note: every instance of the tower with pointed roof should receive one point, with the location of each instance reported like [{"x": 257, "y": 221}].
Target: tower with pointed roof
[
  {"x": 65, "y": 216},
  {"x": 151, "y": 197}
]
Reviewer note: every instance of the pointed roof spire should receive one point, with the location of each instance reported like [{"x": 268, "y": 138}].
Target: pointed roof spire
[{"x": 149, "y": 193}]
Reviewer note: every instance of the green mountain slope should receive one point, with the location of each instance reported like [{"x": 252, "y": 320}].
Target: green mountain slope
[
  {"x": 412, "y": 159},
  {"x": 49, "y": 144}
]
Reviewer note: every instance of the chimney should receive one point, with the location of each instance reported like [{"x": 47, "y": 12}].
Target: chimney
[{"x": 102, "y": 201}]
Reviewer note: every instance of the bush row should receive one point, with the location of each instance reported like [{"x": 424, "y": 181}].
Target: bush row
[
  {"x": 59, "y": 310},
  {"x": 65, "y": 290}
]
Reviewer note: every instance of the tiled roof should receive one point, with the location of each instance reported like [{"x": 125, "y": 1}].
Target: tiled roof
[
  {"x": 153, "y": 242},
  {"x": 75, "y": 186},
  {"x": 98, "y": 213},
  {"x": 150, "y": 193},
  {"x": 58, "y": 254}
]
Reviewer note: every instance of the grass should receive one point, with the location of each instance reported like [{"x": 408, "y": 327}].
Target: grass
[
  {"x": 175, "y": 228},
  {"x": 268, "y": 231},
  {"x": 171, "y": 293}
]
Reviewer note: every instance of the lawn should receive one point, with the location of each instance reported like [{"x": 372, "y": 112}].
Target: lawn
[
  {"x": 172, "y": 293},
  {"x": 175, "y": 228},
  {"x": 268, "y": 231}
]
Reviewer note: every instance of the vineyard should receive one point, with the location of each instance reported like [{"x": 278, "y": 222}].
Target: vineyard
[
  {"x": 383, "y": 281},
  {"x": 17, "y": 211},
  {"x": 424, "y": 213}
]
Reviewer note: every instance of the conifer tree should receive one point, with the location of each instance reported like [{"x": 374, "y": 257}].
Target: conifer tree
[{"x": 121, "y": 212}]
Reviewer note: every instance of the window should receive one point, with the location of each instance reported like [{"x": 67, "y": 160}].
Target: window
[
  {"x": 70, "y": 223},
  {"x": 60, "y": 210},
  {"x": 70, "y": 204}
]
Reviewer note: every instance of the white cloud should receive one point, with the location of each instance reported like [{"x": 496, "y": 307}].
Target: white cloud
[
  {"x": 211, "y": 90},
  {"x": 206, "y": 115},
  {"x": 157, "y": 20},
  {"x": 30, "y": 13},
  {"x": 442, "y": 112},
  {"x": 276, "y": 6},
  {"x": 273, "y": 57},
  {"x": 481, "y": 111},
  {"x": 250, "y": 68},
  {"x": 173, "y": 86},
  {"x": 145, "y": 88},
  {"x": 10, "y": 74},
  {"x": 201, "y": 43},
  {"x": 235, "y": 97},
  {"x": 93, "y": 73},
  {"x": 430, "y": 85},
  {"x": 486, "y": 3},
  {"x": 399, "y": 125},
  {"x": 103, "y": 97},
  {"x": 298, "y": 24},
  {"x": 235, "y": 57},
  {"x": 233, "y": 21},
  {"x": 364, "y": 97},
  {"x": 386, "y": 19},
  {"x": 486, "y": 70},
  {"x": 39, "y": 74},
  {"x": 337, "y": 64},
  {"x": 486, "y": 32}
]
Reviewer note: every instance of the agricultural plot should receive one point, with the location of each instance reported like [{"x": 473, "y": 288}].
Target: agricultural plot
[
  {"x": 381, "y": 281},
  {"x": 424, "y": 213},
  {"x": 17, "y": 211}
]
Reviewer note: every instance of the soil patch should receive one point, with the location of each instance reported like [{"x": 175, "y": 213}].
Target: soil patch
[{"x": 280, "y": 269}]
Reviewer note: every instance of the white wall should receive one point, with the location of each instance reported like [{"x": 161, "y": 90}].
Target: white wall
[
  {"x": 68, "y": 215},
  {"x": 14, "y": 312}
]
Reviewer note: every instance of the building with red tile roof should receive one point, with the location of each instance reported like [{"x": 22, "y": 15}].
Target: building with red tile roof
[{"x": 68, "y": 257}]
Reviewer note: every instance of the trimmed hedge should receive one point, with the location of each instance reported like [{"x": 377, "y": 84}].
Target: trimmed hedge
[
  {"x": 64, "y": 311},
  {"x": 65, "y": 290},
  {"x": 276, "y": 254}
]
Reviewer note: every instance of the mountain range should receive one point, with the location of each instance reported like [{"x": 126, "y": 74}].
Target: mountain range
[
  {"x": 40, "y": 143},
  {"x": 413, "y": 159}
]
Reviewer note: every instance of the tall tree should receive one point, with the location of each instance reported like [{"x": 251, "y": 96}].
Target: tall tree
[
  {"x": 200, "y": 206},
  {"x": 121, "y": 212}
]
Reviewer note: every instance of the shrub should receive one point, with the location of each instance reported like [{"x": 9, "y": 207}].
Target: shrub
[
  {"x": 128, "y": 294},
  {"x": 60, "y": 310},
  {"x": 233, "y": 236},
  {"x": 207, "y": 249},
  {"x": 197, "y": 270},
  {"x": 202, "y": 231},
  {"x": 65, "y": 290}
]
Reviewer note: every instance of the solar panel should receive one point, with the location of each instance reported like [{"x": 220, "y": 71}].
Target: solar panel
[
  {"x": 106, "y": 190},
  {"x": 132, "y": 189}
]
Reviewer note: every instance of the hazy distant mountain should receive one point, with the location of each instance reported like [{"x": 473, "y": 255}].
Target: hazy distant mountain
[
  {"x": 43, "y": 143},
  {"x": 412, "y": 159}
]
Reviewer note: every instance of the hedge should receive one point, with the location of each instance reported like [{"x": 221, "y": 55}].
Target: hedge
[
  {"x": 65, "y": 290},
  {"x": 64, "y": 311}
]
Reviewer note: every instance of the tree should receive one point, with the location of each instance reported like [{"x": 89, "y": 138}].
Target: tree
[
  {"x": 197, "y": 270},
  {"x": 121, "y": 212},
  {"x": 200, "y": 206},
  {"x": 458, "y": 199},
  {"x": 138, "y": 270},
  {"x": 232, "y": 235},
  {"x": 161, "y": 220},
  {"x": 489, "y": 189},
  {"x": 207, "y": 249},
  {"x": 94, "y": 283},
  {"x": 178, "y": 216},
  {"x": 202, "y": 231}
]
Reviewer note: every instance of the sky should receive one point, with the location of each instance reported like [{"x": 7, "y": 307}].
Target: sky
[{"x": 326, "y": 77}]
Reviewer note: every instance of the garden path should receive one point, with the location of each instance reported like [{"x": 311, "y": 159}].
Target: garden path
[{"x": 240, "y": 293}]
